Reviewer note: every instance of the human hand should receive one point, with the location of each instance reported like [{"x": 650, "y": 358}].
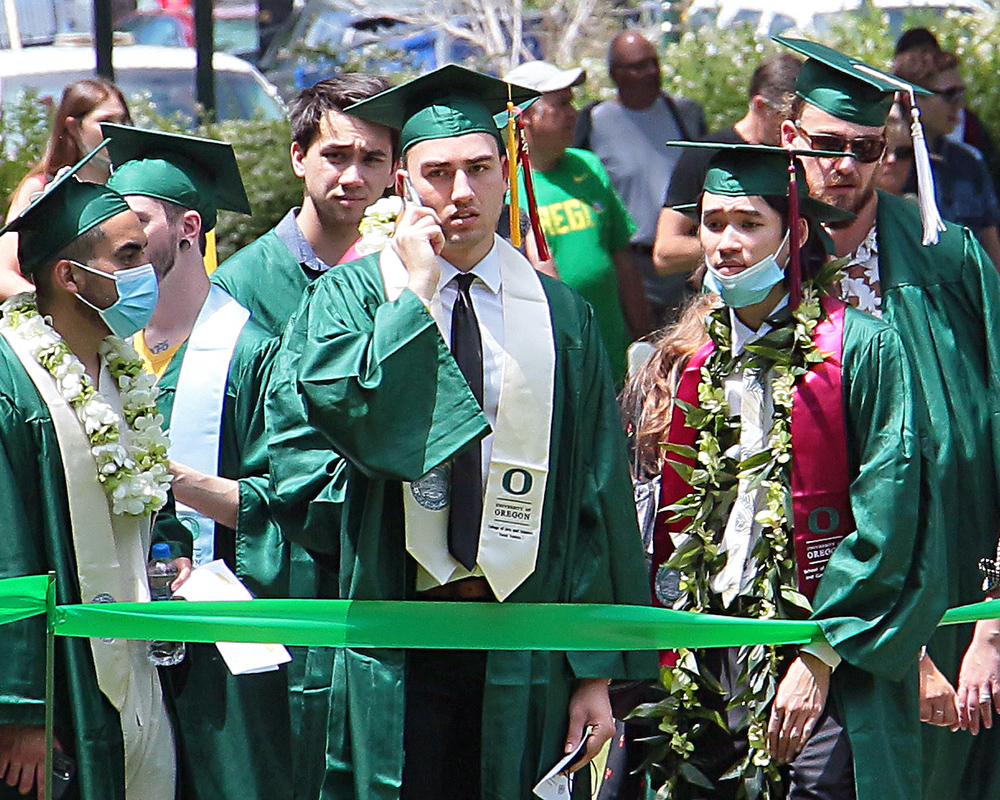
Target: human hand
[
  {"x": 22, "y": 757},
  {"x": 184, "y": 567},
  {"x": 798, "y": 703},
  {"x": 591, "y": 706},
  {"x": 978, "y": 692},
  {"x": 418, "y": 241},
  {"x": 937, "y": 697}
]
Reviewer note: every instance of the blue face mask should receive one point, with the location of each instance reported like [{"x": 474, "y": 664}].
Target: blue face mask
[
  {"x": 138, "y": 292},
  {"x": 749, "y": 286}
]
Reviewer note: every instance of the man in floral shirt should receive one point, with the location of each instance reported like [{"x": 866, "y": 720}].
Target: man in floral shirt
[{"x": 942, "y": 294}]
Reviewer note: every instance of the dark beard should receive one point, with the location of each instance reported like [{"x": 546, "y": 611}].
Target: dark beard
[{"x": 856, "y": 206}]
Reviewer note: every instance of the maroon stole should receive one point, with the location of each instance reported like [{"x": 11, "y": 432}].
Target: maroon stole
[{"x": 819, "y": 470}]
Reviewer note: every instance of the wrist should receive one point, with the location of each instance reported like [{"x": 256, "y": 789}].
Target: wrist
[{"x": 815, "y": 664}]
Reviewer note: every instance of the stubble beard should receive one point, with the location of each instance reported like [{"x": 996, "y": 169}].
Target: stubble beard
[{"x": 853, "y": 202}]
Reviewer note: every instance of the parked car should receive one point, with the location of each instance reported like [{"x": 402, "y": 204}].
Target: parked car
[{"x": 165, "y": 75}]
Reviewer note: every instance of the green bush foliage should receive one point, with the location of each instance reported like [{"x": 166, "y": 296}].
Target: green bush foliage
[
  {"x": 714, "y": 66},
  {"x": 262, "y": 150}
]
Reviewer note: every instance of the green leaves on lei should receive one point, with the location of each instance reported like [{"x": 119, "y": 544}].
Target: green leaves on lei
[
  {"x": 786, "y": 352},
  {"x": 134, "y": 474}
]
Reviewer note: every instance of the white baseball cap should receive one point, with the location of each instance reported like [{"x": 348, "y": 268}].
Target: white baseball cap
[{"x": 545, "y": 77}]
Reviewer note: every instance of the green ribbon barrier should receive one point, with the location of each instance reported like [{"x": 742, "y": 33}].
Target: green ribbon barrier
[
  {"x": 409, "y": 624},
  {"x": 21, "y": 598},
  {"x": 474, "y": 626}
]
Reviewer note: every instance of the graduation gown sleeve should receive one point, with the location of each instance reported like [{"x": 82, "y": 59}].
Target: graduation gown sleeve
[
  {"x": 376, "y": 378},
  {"x": 878, "y": 600}
]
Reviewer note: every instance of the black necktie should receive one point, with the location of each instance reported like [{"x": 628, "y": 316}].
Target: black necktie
[{"x": 466, "y": 469}]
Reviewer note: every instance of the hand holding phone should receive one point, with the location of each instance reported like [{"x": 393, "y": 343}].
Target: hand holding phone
[{"x": 418, "y": 240}]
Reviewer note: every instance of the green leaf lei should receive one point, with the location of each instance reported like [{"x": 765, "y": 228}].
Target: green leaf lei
[{"x": 686, "y": 721}]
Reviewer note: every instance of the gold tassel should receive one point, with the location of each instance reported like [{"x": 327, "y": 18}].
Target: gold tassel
[{"x": 512, "y": 149}]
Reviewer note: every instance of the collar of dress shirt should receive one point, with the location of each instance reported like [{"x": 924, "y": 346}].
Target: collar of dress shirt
[
  {"x": 744, "y": 335},
  {"x": 487, "y": 270},
  {"x": 291, "y": 235}
]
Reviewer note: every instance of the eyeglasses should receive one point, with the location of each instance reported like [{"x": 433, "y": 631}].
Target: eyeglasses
[
  {"x": 866, "y": 149},
  {"x": 955, "y": 94},
  {"x": 902, "y": 153}
]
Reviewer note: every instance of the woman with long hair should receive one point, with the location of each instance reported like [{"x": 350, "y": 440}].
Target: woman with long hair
[
  {"x": 76, "y": 131},
  {"x": 791, "y": 478}
]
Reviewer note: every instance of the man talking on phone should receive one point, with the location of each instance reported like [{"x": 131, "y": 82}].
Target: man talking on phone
[{"x": 473, "y": 401}]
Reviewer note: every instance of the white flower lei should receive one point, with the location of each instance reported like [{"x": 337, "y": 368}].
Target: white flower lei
[
  {"x": 378, "y": 224},
  {"x": 134, "y": 474}
]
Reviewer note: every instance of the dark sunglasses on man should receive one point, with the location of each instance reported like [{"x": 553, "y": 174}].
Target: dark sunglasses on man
[{"x": 866, "y": 149}]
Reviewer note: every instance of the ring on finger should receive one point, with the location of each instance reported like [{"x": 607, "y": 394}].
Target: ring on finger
[{"x": 985, "y": 698}]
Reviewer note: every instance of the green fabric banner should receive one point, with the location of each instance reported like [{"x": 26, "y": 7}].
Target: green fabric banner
[
  {"x": 21, "y": 598},
  {"x": 478, "y": 626}
]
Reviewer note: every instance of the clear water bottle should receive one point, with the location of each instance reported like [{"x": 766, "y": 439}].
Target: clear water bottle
[{"x": 162, "y": 572}]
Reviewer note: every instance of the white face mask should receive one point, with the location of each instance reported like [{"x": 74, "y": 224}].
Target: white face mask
[{"x": 751, "y": 285}]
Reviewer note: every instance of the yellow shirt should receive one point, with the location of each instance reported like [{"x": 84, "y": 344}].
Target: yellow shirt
[{"x": 156, "y": 363}]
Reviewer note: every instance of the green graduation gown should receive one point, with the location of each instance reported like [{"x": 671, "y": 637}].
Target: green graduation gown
[
  {"x": 233, "y": 732},
  {"x": 376, "y": 379},
  {"x": 945, "y": 302},
  {"x": 879, "y": 597},
  {"x": 266, "y": 278},
  {"x": 37, "y": 538}
]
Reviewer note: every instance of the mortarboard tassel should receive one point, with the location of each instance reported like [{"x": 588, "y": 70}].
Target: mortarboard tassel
[
  {"x": 930, "y": 216},
  {"x": 513, "y": 148},
  {"x": 529, "y": 190},
  {"x": 794, "y": 245}
]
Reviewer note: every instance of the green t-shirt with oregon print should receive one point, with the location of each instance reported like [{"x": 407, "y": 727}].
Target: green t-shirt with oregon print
[{"x": 585, "y": 222}]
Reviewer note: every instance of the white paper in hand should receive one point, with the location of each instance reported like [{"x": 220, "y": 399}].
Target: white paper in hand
[
  {"x": 215, "y": 581},
  {"x": 555, "y": 785}
]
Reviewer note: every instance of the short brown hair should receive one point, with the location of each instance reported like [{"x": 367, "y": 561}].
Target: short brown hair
[
  {"x": 774, "y": 80},
  {"x": 333, "y": 94}
]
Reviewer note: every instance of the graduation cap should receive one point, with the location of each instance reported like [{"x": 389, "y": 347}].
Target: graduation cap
[
  {"x": 844, "y": 86},
  {"x": 63, "y": 212},
  {"x": 752, "y": 170},
  {"x": 856, "y": 92},
  {"x": 194, "y": 173},
  {"x": 450, "y": 101}
]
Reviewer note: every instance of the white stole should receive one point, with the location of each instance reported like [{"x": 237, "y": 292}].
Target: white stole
[
  {"x": 519, "y": 464},
  {"x": 111, "y": 552},
  {"x": 196, "y": 421}
]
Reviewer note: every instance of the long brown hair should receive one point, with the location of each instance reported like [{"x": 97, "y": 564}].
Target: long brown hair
[
  {"x": 648, "y": 396},
  {"x": 78, "y": 99}
]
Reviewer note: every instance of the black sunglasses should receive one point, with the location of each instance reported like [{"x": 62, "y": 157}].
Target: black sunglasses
[
  {"x": 866, "y": 149},
  {"x": 902, "y": 153}
]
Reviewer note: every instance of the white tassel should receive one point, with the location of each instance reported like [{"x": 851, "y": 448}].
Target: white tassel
[{"x": 929, "y": 214}]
